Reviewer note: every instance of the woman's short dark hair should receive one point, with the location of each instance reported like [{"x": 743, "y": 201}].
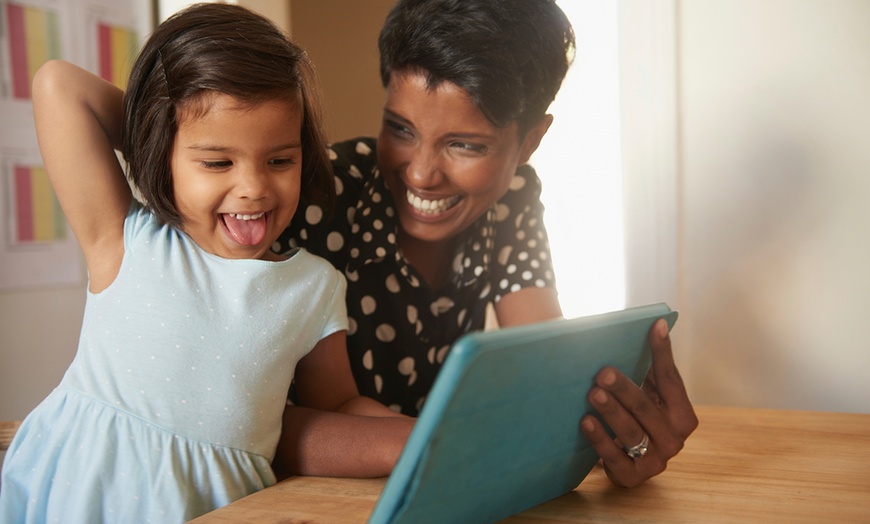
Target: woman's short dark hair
[
  {"x": 509, "y": 56},
  {"x": 209, "y": 48}
]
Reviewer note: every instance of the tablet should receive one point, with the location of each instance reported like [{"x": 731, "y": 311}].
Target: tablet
[{"x": 500, "y": 430}]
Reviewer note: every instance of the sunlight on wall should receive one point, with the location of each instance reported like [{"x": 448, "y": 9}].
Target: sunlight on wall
[{"x": 579, "y": 164}]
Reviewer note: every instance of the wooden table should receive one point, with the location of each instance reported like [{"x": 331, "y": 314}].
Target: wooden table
[{"x": 740, "y": 465}]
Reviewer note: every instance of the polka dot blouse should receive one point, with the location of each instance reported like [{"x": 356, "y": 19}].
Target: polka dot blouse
[{"x": 400, "y": 330}]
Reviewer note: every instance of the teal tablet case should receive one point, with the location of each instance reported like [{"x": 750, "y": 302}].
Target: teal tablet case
[{"x": 500, "y": 430}]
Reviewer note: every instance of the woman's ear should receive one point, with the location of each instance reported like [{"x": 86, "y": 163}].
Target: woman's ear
[{"x": 533, "y": 138}]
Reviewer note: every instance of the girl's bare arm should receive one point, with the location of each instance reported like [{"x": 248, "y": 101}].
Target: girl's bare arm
[{"x": 78, "y": 124}]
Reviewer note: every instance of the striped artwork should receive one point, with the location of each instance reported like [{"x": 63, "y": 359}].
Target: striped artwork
[
  {"x": 34, "y": 38},
  {"x": 117, "y": 49},
  {"x": 37, "y": 213}
]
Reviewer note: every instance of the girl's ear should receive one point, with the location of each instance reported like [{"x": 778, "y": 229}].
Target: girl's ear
[{"x": 533, "y": 138}]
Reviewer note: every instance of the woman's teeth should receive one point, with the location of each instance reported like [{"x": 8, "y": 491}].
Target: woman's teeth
[
  {"x": 431, "y": 206},
  {"x": 239, "y": 216}
]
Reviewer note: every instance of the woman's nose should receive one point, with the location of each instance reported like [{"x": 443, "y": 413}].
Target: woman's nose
[{"x": 424, "y": 168}]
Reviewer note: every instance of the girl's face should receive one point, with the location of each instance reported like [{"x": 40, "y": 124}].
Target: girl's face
[
  {"x": 236, "y": 173},
  {"x": 444, "y": 163}
]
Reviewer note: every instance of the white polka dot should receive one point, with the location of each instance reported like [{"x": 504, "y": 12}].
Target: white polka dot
[
  {"x": 412, "y": 314},
  {"x": 379, "y": 383},
  {"x": 331, "y": 153},
  {"x": 406, "y": 366},
  {"x": 527, "y": 275},
  {"x": 353, "y": 276},
  {"x": 517, "y": 182},
  {"x": 392, "y": 283},
  {"x": 339, "y": 186},
  {"x": 442, "y": 353},
  {"x": 367, "y": 236},
  {"x": 367, "y": 360},
  {"x": 363, "y": 148},
  {"x": 368, "y": 304},
  {"x": 385, "y": 333},
  {"x": 504, "y": 254},
  {"x": 442, "y": 305},
  {"x": 502, "y": 211},
  {"x": 522, "y": 256},
  {"x": 380, "y": 252},
  {"x": 313, "y": 214},
  {"x": 511, "y": 269},
  {"x": 351, "y": 325},
  {"x": 378, "y": 225},
  {"x": 334, "y": 241},
  {"x": 354, "y": 172}
]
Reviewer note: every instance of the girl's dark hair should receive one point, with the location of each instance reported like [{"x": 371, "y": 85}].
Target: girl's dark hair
[
  {"x": 215, "y": 48},
  {"x": 509, "y": 56}
]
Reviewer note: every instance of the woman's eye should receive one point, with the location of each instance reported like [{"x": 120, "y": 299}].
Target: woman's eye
[
  {"x": 470, "y": 148},
  {"x": 397, "y": 128}
]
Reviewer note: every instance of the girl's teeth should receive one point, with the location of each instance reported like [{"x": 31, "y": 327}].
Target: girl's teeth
[
  {"x": 431, "y": 206},
  {"x": 238, "y": 216}
]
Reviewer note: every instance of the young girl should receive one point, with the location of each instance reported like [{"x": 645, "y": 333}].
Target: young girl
[{"x": 193, "y": 327}]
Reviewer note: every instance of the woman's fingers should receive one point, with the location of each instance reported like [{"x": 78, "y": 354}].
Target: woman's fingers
[{"x": 661, "y": 410}]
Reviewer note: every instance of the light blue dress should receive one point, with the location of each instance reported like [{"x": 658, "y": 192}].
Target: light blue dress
[{"x": 172, "y": 406}]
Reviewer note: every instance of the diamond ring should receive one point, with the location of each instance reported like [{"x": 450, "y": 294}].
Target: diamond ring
[{"x": 638, "y": 450}]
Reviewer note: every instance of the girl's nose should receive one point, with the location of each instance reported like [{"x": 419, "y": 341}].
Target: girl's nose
[{"x": 254, "y": 183}]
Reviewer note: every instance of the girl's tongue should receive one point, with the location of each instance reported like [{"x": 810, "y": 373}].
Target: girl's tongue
[{"x": 247, "y": 230}]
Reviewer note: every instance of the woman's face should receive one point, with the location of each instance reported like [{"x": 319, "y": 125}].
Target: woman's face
[{"x": 442, "y": 160}]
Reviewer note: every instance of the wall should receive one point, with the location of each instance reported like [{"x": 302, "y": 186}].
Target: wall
[
  {"x": 774, "y": 104},
  {"x": 341, "y": 36}
]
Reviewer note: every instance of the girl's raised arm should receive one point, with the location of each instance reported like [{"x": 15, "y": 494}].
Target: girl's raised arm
[{"x": 78, "y": 124}]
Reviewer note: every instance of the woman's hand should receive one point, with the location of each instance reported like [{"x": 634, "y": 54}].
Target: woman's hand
[{"x": 659, "y": 409}]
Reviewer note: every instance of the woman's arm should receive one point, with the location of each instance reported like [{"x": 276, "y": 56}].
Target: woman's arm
[
  {"x": 326, "y": 443},
  {"x": 78, "y": 123},
  {"x": 334, "y": 431}
]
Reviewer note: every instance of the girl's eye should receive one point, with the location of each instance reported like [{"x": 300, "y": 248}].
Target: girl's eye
[
  {"x": 216, "y": 164},
  {"x": 283, "y": 162}
]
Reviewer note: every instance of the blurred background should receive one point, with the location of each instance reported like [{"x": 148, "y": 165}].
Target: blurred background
[{"x": 711, "y": 154}]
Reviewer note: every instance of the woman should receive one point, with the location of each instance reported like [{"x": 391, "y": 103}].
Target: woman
[{"x": 440, "y": 217}]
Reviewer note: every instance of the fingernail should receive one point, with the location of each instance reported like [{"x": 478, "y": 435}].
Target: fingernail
[
  {"x": 587, "y": 425},
  {"x": 608, "y": 378},
  {"x": 599, "y": 396},
  {"x": 662, "y": 328}
]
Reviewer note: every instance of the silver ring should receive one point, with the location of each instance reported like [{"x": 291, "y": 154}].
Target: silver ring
[{"x": 640, "y": 449}]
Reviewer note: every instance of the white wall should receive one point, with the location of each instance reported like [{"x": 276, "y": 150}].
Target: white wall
[{"x": 774, "y": 104}]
